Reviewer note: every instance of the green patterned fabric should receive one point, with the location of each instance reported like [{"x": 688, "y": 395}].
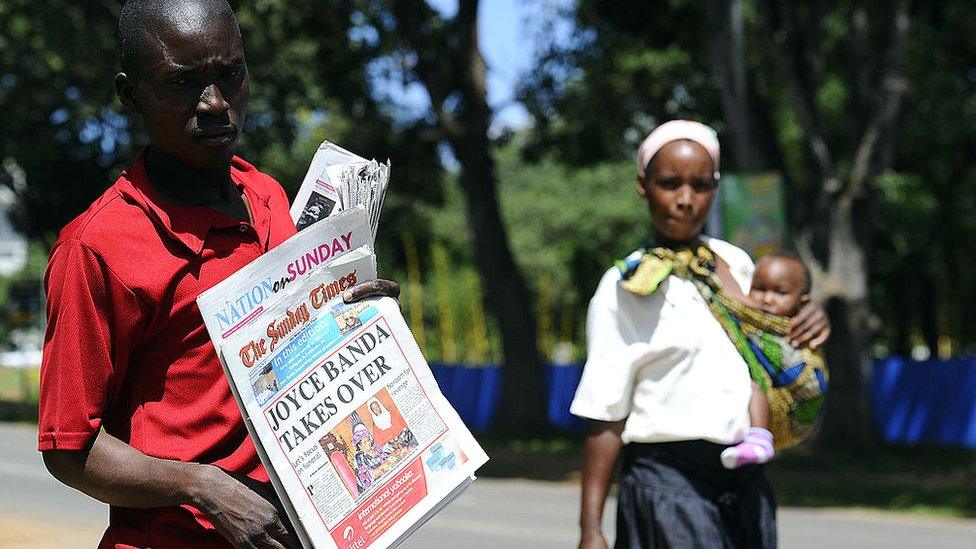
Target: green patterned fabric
[{"x": 793, "y": 380}]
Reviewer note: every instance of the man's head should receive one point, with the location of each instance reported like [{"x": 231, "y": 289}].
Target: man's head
[
  {"x": 183, "y": 72},
  {"x": 781, "y": 284}
]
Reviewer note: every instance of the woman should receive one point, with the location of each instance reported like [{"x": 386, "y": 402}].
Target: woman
[
  {"x": 369, "y": 456},
  {"x": 664, "y": 387}
]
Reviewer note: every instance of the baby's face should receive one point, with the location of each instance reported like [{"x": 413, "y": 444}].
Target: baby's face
[{"x": 779, "y": 285}]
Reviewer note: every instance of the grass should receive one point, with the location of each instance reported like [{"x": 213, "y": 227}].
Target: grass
[
  {"x": 18, "y": 394},
  {"x": 928, "y": 480}
]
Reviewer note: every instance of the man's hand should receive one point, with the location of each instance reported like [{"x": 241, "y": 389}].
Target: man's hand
[
  {"x": 810, "y": 327},
  {"x": 111, "y": 471},
  {"x": 242, "y": 516},
  {"x": 372, "y": 288}
]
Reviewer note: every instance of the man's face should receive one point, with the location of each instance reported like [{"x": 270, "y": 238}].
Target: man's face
[
  {"x": 679, "y": 187},
  {"x": 192, "y": 89}
]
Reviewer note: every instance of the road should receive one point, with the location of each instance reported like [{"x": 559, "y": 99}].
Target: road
[{"x": 493, "y": 513}]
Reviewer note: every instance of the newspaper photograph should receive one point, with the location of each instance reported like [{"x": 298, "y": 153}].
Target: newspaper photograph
[
  {"x": 339, "y": 180},
  {"x": 353, "y": 428},
  {"x": 318, "y": 197},
  {"x": 241, "y": 297}
]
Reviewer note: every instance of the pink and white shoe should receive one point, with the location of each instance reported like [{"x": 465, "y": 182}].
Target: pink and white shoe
[{"x": 756, "y": 447}]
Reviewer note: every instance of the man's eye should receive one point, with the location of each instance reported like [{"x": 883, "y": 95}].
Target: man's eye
[
  {"x": 180, "y": 83},
  {"x": 669, "y": 184}
]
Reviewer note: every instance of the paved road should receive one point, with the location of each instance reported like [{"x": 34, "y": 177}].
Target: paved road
[{"x": 492, "y": 514}]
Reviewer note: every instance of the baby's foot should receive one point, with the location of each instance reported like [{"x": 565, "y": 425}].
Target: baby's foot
[{"x": 756, "y": 447}]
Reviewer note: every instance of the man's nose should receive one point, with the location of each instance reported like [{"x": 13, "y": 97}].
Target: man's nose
[
  {"x": 212, "y": 101},
  {"x": 684, "y": 196}
]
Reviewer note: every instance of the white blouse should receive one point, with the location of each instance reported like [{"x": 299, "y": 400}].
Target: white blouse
[{"x": 663, "y": 362}]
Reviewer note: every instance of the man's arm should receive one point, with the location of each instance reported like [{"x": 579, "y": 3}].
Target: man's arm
[
  {"x": 111, "y": 471},
  {"x": 601, "y": 448}
]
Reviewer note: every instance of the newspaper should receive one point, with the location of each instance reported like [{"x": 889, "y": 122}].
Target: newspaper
[
  {"x": 360, "y": 443},
  {"x": 338, "y": 180},
  {"x": 240, "y": 298},
  {"x": 355, "y": 436}
]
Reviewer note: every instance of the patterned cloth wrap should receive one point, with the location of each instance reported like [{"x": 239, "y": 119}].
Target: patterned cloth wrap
[{"x": 793, "y": 380}]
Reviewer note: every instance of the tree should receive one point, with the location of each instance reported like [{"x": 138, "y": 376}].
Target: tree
[
  {"x": 443, "y": 55},
  {"x": 839, "y": 225},
  {"x": 58, "y": 60},
  {"x": 818, "y": 94}
]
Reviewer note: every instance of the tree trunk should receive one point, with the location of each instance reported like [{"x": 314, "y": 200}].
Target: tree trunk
[
  {"x": 844, "y": 292},
  {"x": 730, "y": 64},
  {"x": 449, "y": 64},
  {"x": 522, "y": 407},
  {"x": 848, "y": 423}
]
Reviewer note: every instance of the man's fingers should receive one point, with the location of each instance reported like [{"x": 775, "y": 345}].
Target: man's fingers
[
  {"x": 281, "y": 534},
  {"x": 269, "y": 543},
  {"x": 378, "y": 287}
]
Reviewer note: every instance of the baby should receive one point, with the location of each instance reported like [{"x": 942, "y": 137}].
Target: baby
[{"x": 781, "y": 286}]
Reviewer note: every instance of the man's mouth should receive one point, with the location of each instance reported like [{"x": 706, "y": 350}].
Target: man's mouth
[{"x": 216, "y": 136}]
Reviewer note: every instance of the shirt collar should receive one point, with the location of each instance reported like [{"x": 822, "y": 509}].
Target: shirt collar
[{"x": 188, "y": 225}]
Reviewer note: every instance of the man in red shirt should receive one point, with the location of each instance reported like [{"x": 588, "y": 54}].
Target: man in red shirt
[{"x": 134, "y": 407}]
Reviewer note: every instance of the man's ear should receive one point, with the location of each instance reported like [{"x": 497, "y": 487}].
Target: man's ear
[
  {"x": 125, "y": 91},
  {"x": 804, "y": 299}
]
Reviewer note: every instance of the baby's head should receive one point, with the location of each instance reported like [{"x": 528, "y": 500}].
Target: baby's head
[{"x": 781, "y": 284}]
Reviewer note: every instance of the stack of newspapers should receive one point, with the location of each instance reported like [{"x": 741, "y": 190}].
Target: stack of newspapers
[
  {"x": 339, "y": 180},
  {"x": 357, "y": 438}
]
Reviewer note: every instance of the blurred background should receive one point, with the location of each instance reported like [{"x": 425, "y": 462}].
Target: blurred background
[{"x": 847, "y": 135}]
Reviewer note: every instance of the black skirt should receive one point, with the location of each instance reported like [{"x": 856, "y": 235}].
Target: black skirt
[{"x": 677, "y": 494}]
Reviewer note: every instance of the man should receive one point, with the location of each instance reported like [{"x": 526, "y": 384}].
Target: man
[{"x": 134, "y": 407}]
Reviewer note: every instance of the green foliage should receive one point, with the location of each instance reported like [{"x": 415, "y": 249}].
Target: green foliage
[
  {"x": 567, "y": 226},
  {"x": 311, "y": 79},
  {"x": 597, "y": 93},
  {"x": 620, "y": 75}
]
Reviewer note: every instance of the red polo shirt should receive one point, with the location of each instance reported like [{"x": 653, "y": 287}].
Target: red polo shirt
[{"x": 126, "y": 349}]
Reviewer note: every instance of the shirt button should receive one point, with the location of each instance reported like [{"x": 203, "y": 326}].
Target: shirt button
[{"x": 242, "y": 227}]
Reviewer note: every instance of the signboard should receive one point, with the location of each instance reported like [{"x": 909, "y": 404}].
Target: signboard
[{"x": 751, "y": 212}]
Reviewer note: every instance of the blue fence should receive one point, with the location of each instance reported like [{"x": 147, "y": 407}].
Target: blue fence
[
  {"x": 930, "y": 402},
  {"x": 474, "y": 392}
]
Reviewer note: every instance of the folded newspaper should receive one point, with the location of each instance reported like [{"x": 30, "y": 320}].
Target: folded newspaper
[
  {"x": 346, "y": 416},
  {"x": 338, "y": 180}
]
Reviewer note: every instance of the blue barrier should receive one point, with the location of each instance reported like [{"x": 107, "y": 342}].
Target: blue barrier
[
  {"x": 474, "y": 392},
  {"x": 930, "y": 402}
]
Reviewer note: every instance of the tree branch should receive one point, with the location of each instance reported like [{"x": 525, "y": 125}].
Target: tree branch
[
  {"x": 893, "y": 86},
  {"x": 113, "y": 7},
  {"x": 860, "y": 66},
  {"x": 416, "y": 23},
  {"x": 804, "y": 106}
]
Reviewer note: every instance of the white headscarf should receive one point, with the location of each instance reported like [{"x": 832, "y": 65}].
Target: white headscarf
[{"x": 383, "y": 420}]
